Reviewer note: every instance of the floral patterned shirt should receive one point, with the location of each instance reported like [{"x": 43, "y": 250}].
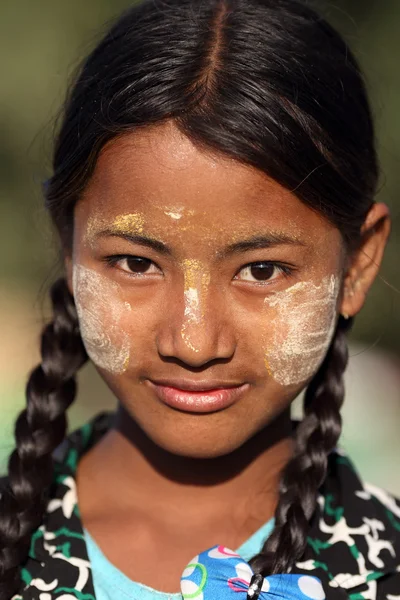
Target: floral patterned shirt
[{"x": 353, "y": 544}]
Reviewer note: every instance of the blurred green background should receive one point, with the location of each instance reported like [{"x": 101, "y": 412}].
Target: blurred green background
[{"x": 41, "y": 44}]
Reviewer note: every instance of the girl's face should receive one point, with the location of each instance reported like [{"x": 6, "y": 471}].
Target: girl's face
[{"x": 190, "y": 265}]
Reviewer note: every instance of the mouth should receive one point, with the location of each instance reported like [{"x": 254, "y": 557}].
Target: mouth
[{"x": 197, "y": 397}]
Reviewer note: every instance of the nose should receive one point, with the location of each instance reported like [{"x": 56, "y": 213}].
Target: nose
[{"x": 196, "y": 327}]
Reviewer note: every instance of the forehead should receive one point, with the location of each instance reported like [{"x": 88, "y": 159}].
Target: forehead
[{"x": 161, "y": 173}]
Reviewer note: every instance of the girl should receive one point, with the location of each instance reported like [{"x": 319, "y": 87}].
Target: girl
[{"x": 213, "y": 189}]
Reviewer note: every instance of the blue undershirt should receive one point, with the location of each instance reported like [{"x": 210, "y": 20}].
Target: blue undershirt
[{"x": 110, "y": 582}]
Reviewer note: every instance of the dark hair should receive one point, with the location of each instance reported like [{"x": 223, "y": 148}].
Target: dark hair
[{"x": 267, "y": 82}]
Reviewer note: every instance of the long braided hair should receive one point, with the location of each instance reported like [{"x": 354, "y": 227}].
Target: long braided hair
[
  {"x": 39, "y": 429},
  {"x": 267, "y": 82}
]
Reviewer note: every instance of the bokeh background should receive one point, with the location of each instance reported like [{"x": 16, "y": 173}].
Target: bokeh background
[{"x": 41, "y": 44}]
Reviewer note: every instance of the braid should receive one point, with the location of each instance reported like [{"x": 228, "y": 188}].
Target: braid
[
  {"x": 39, "y": 429},
  {"x": 316, "y": 435}
]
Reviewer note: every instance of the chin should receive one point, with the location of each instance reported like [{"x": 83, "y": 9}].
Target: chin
[
  {"x": 197, "y": 449},
  {"x": 199, "y": 436}
]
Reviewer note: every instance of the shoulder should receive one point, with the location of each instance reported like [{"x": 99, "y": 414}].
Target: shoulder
[
  {"x": 355, "y": 532},
  {"x": 57, "y": 558},
  {"x": 363, "y": 503}
]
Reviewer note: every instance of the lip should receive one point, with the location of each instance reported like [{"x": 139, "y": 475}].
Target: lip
[{"x": 197, "y": 397}]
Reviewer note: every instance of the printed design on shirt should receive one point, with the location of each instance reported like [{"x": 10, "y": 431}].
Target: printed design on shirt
[
  {"x": 353, "y": 546},
  {"x": 64, "y": 547},
  {"x": 222, "y": 573}
]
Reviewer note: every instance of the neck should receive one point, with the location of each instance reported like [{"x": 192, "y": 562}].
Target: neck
[{"x": 247, "y": 477}]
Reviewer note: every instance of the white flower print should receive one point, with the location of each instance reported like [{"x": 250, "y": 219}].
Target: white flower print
[{"x": 67, "y": 502}]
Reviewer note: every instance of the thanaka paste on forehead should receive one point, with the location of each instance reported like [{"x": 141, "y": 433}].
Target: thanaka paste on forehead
[
  {"x": 300, "y": 329},
  {"x": 130, "y": 222},
  {"x": 175, "y": 212},
  {"x": 173, "y": 215},
  {"x": 100, "y": 311}
]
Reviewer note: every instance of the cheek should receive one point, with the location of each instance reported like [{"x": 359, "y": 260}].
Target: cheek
[
  {"x": 301, "y": 325},
  {"x": 102, "y": 315}
]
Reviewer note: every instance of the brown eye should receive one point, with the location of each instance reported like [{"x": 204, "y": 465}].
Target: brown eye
[
  {"x": 137, "y": 264},
  {"x": 263, "y": 271},
  {"x": 133, "y": 265}
]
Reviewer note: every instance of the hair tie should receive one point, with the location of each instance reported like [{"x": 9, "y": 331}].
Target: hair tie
[{"x": 255, "y": 587}]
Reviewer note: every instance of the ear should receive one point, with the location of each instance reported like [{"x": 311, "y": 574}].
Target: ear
[
  {"x": 68, "y": 271},
  {"x": 365, "y": 262}
]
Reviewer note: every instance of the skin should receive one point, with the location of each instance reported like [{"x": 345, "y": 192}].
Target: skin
[{"x": 161, "y": 472}]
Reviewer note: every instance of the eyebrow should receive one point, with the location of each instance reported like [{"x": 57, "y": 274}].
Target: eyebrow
[{"x": 255, "y": 242}]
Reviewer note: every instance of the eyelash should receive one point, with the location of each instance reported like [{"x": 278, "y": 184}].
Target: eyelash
[{"x": 284, "y": 269}]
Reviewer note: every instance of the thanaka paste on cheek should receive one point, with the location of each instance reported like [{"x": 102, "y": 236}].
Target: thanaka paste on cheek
[
  {"x": 100, "y": 311},
  {"x": 301, "y": 326},
  {"x": 195, "y": 277}
]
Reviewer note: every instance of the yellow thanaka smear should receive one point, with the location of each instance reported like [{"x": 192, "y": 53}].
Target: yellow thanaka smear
[
  {"x": 195, "y": 277},
  {"x": 126, "y": 363},
  {"x": 133, "y": 222},
  {"x": 94, "y": 225},
  {"x": 193, "y": 270},
  {"x": 187, "y": 340},
  {"x": 268, "y": 368}
]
